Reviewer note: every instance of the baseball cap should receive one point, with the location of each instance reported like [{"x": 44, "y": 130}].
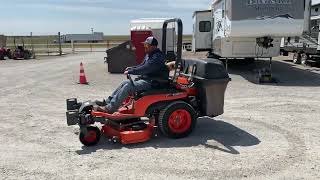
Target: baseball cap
[{"x": 151, "y": 41}]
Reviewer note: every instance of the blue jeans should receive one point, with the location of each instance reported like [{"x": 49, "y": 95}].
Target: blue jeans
[{"x": 123, "y": 91}]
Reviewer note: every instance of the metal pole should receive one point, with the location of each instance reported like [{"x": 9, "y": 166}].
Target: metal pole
[
  {"x": 227, "y": 64},
  {"x": 91, "y": 39},
  {"x": 59, "y": 41},
  {"x": 32, "y": 47},
  {"x": 72, "y": 46},
  {"x": 48, "y": 46},
  {"x": 271, "y": 66}
]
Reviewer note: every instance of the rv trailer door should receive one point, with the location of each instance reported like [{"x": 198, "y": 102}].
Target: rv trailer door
[{"x": 202, "y": 33}]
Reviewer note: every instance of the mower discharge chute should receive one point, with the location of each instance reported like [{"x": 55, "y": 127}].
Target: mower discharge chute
[{"x": 196, "y": 89}]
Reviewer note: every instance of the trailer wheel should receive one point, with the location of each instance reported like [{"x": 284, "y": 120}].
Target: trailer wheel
[
  {"x": 177, "y": 120},
  {"x": 304, "y": 58},
  {"x": 297, "y": 58},
  {"x": 91, "y": 137}
]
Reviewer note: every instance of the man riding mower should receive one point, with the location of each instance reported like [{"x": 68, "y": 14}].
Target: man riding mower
[
  {"x": 171, "y": 105},
  {"x": 151, "y": 72}
]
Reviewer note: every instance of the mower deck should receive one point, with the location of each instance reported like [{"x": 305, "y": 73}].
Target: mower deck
[{"x": 128, "y": 133}]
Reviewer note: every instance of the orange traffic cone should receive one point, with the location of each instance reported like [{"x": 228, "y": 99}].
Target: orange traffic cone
[{"x": 82, "y": 79}]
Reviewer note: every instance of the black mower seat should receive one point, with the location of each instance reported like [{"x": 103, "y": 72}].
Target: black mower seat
[{"x": 158, "y": 91}]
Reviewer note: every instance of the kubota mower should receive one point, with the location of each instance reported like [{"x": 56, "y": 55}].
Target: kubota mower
[{"x": 196, "y": 89}]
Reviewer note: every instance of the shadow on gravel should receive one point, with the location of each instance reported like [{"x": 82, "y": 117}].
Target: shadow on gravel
[
  {"x": 214, "y": 134},
  {"x": 285, "y": 74}
]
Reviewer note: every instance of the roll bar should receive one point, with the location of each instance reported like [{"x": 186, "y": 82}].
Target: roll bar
[{"x": 179, "y": 42}]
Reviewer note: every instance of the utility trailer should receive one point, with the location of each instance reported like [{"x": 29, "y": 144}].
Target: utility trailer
[
  {"x": 132, "y": 52},
  {"x": 145, "y": 27},
  {"x": 305, "y": 48}
]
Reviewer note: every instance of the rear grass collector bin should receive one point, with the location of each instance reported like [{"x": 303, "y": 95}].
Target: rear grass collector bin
[{"x": 211, "y": 79}]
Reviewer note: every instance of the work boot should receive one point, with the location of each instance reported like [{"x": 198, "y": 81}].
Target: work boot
[
  {"x": 100, "y": 103},
  {"x": 102, "y": 109},
  {"x": 108, "y": 100}
]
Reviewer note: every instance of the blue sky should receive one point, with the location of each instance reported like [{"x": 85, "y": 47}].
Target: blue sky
[{"x": 20, "y": 17}]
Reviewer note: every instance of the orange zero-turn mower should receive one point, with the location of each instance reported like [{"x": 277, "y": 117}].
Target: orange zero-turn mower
[{"x": 196, "y": 89}]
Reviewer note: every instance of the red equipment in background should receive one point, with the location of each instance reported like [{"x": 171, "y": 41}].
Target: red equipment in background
[
  {"x": 5, "y": 52},
  {"x": 137, "y": 37}
]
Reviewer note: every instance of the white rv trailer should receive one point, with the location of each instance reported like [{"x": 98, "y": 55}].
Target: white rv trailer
[{"x": 250, "y": 28}]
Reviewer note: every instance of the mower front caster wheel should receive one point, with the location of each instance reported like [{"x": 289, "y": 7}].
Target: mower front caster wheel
[
  {"x": 90, "y": 136},
  {"x": 177, "y": 120}
]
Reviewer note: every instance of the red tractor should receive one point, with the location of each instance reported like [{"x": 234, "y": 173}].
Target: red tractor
[
  {"x": 5, "y": 52},
  {"x": 20, "y": 53},
  {"x": 196, "y": 89}
]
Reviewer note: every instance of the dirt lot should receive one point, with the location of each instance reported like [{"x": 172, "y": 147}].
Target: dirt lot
[{"x": 268, "y": 131}]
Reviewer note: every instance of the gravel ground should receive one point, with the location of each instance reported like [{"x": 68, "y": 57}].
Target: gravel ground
[{"x": 268, "y": 131}]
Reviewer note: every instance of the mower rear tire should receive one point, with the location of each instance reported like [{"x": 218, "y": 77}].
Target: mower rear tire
[
  {"x": 91, "y": 137},
  {"x": 177, "y": 120}
]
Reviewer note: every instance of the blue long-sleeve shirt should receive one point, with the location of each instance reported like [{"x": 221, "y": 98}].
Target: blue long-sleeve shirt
[{"x": 153, "y": 66}]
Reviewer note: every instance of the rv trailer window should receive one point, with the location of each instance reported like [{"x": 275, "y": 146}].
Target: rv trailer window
[{"x": 205, "y": 26}]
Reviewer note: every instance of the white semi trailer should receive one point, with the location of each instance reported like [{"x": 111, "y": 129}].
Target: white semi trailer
[{"x": 248, "y": 28}]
